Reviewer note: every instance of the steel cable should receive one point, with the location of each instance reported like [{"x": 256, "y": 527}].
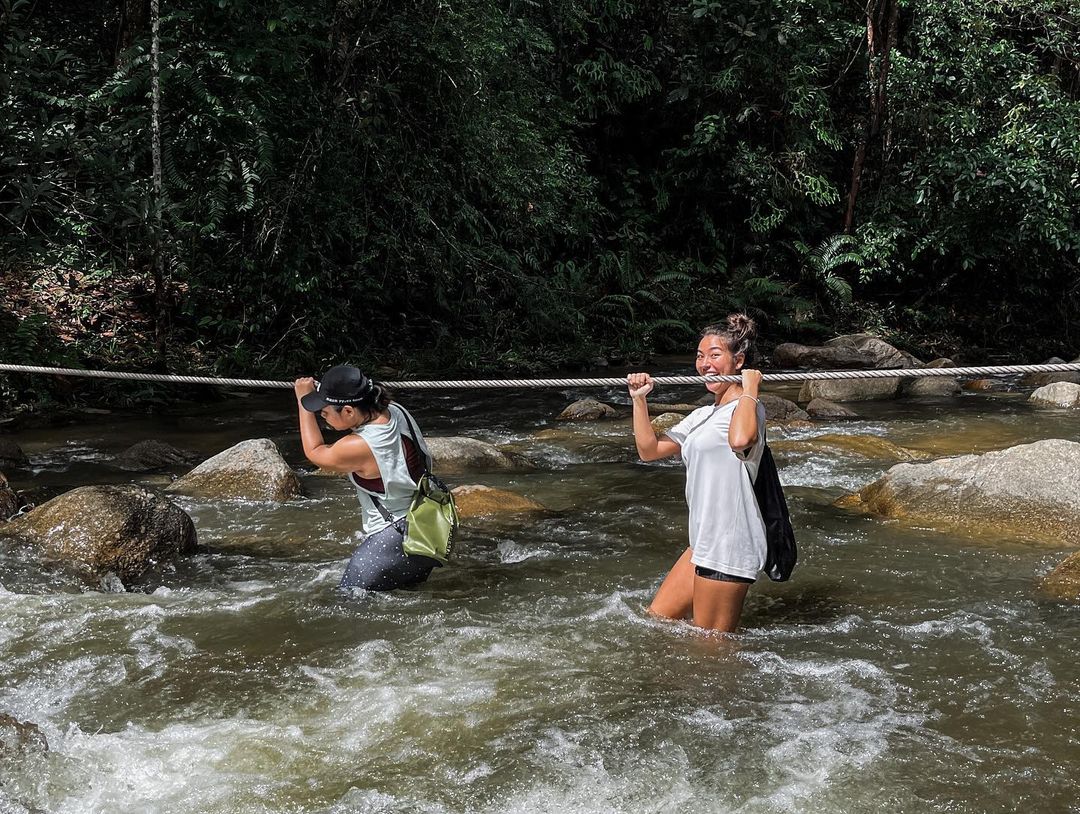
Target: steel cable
[{"x": 805, "y": 375}]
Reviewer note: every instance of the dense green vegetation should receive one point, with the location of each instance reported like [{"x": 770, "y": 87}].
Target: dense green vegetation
[{"x": 518, "y": 184}]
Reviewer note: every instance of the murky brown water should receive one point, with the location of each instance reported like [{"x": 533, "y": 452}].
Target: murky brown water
[{"x": 902, "y": 669}]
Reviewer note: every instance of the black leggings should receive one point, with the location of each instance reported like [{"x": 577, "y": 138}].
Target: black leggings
[
  {"x": 380, "y": 563},
  {"x": 720, "y": 576}
]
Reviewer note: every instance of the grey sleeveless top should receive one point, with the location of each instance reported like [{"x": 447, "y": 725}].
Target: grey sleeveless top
[{"x": 398, "y": 485}]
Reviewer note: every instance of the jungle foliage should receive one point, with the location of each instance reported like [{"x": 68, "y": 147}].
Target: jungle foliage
[{"x": 518, "y": 185}]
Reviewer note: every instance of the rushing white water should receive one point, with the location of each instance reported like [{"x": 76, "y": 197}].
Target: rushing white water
[{"x": 901, "y": 669}]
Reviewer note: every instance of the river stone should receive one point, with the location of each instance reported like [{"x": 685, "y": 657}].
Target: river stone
[
  {"x": 665, "y": 421},
  {"x": 251, "y": 470},
  {"x": 825, "y": 409},
  {"x": 11, "y": 454},
  {"x": 125, "y": 530},
  {"x": 587, "y": 410},
  {"x": 1058, "y": 394},
  {"x": 778, "y": 408},
  {"x": 474, "y": 500},
  {"x": 850, "y": 389},
  {"x": 9, "y": 501},
  {"x": 1025, "y": 491},
  {"x": 1042, "y": 379},
  {"x": 987, "y": 385},
  {"x": 455, "y": 455},
  {"x": 1064, "y": 581},
  {"x": 20, "y": 738},
  {"x": 930, "y": 386},
  {"x": 791, "y": 354},
  {"x": 151, "y": 455},
  {"x": 877, "y": 352}
]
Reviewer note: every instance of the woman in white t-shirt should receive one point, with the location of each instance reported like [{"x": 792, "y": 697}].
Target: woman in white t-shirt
[{"x": 721, "y": 445}]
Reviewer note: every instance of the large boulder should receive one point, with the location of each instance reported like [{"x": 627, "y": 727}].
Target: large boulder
[
  {"x": 850, "y": 389},
  {"x": 150, "y": 456},
  {"x": 251, "y": 470},
  {"x": 455, "y": 455},
  {"x": 587, "y": 410},
  {"x": 474, "y": 500},
  {"x": 1058, "y": 394},
  {"x": 126, "y": 530},
  {"x": 11, "y": 454},
  {"x": 1025, "y": 491},
  {"x": 791, "y": 354},
  {"x": 1064, "y": 581},
  {"x": 877, "y": 352}
]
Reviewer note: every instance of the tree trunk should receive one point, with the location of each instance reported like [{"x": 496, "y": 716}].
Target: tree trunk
[
  {"x": 881, "y": 31},
  {"x": 155, "y": 128},
  {"x": 133, "y": 19}
]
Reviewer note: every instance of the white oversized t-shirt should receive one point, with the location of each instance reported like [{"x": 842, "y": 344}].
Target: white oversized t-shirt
[{"x": 726, "y": 530}]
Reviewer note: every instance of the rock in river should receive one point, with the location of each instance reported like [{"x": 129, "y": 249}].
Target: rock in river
[
  {"x": 1029, "y": 491},
  {"x": 11, "y": 454},
  {"x": 1064, "y": 581},
  {"x": 474, "y": 500},
  {"x": 251, "y": 470},
  {"x": 1058, "y": 394},
  {"x": 587, "y": 410},
  {"x": 126, "y": 530},
  {"x": 457, "y": 454},
  {"x": 151, "y": 455}
]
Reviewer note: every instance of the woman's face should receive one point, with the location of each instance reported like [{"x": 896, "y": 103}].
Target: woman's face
[
  {"x": 714, "y": 359},
  {"x": 345, "y": 419}
]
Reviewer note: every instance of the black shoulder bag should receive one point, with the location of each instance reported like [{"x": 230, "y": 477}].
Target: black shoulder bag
[{"x": 781, "y": 552}]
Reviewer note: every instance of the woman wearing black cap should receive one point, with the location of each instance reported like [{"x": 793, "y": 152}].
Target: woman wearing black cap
[{"x": 384, "y": 456}]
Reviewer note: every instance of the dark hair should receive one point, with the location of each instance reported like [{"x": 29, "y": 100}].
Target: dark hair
[
  {"x": 738, "y": 332},
  {"x": 376, "y": 399}
]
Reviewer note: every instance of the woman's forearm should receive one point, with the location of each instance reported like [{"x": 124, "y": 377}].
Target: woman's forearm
[
  {"x": 644, "y": 435},
  {"x": 311, "y": 436}
]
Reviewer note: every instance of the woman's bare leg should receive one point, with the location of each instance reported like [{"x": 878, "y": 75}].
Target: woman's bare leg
[
  {"x": 675, "y": 599},
  {"x": 717, "y": 604}
]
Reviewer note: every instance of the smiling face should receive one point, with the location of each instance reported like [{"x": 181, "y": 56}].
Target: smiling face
[{"x": 714, "y": 359}]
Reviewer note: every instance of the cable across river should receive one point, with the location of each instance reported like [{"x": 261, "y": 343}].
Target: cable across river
[{"x": 491, "y": 384}]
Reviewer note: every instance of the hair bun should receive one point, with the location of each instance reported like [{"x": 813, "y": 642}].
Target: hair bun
[{"x": 742, "y": 325}]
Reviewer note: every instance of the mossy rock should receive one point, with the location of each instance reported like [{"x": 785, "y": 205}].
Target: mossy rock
[
  {"x": 474, "y": 500},
  {"x": 1064, "y": 581},
  {"x": 868, "y": 446}
]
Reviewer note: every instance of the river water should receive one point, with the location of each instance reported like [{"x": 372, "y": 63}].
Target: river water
[{"x": 901, "y": 669}]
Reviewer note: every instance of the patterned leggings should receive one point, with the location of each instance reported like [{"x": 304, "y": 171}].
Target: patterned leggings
[{"x": 380, "y": 564}]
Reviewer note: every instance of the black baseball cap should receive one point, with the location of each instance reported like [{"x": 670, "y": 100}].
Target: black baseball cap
[{"x": 340, "y": 385}]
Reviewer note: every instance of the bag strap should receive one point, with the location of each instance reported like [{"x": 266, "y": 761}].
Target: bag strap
[{"x": 389, "y": 518}]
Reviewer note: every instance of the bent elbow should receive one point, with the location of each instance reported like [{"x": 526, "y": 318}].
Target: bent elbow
[{"x": 741, "y": 444}]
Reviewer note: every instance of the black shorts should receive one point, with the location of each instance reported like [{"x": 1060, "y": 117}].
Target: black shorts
[{"x": 720, "y": 576}]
